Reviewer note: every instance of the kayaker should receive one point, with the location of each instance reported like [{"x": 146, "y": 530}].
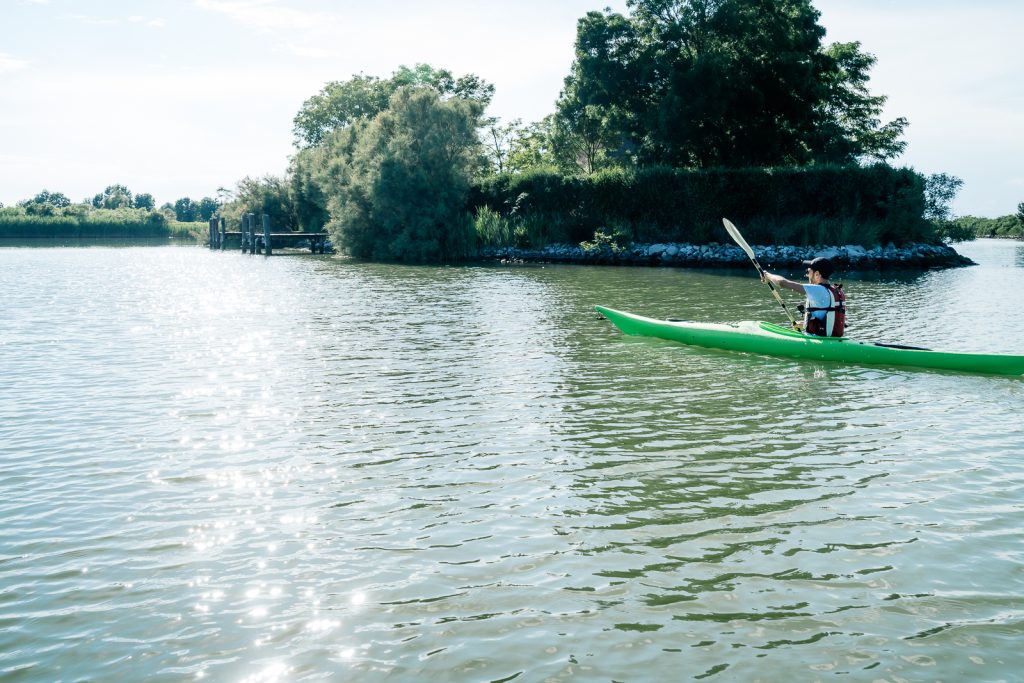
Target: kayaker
[{"x": 825, "y": 309}]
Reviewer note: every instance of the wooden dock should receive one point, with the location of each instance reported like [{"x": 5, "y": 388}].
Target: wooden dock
[{"x": 254, "y": 241}]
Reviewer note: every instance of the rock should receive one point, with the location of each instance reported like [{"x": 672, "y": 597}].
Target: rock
[
  {"x": 889, "y": 256},
  {"x": 829, "y": 253}
]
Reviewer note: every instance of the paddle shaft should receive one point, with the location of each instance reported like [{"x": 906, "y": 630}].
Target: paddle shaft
[{"x": 735, "y": 234}]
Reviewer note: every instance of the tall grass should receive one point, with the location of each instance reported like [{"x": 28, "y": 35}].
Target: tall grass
[{"x": 98, "y": 224}]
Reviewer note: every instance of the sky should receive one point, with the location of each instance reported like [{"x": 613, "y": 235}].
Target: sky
[{"x": 178, "y": 98}]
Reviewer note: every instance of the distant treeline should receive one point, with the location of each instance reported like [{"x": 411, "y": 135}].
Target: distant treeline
[
  {"x": 115, "y": 213},
  {"x": 94, "y": 224},
  {"x": 1004, "y": 226}
]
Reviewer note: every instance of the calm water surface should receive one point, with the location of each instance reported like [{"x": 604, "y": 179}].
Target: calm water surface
[{"x": 233, "y": 468}]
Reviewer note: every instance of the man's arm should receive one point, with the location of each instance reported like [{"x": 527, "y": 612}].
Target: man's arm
[{"x": 780, "y": 281}]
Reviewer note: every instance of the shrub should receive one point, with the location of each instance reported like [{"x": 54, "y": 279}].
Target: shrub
[{"x": 817, "y": 205}]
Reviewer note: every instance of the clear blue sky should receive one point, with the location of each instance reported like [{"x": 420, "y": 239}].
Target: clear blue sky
[{"x": 179, "y": 97}]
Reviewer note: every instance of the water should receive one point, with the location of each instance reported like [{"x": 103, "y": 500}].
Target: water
[{"x": 232, "y": 468}]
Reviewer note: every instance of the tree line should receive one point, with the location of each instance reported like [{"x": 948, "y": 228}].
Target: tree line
[
  {"x": 712, "y": 102},
  {"x": 968, "y": 227},
  {"x": 121, "y": 212},
  {"x": 708, "y": 97}
]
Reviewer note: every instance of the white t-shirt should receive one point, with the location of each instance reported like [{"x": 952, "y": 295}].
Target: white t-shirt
[{"x": 818, "y": 296}]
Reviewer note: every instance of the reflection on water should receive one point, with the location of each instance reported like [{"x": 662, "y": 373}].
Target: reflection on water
[{"x": 234, "y": 468}]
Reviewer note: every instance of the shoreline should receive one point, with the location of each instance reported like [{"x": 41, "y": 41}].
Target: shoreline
[
  {"x": 715, "y": 255},
  {"x": 662, "y": 254}
]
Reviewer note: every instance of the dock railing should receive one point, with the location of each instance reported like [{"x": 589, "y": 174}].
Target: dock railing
[{"x": 253, "y": 240}]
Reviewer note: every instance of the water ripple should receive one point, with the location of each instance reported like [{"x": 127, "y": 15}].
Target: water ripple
[{"x": 231, "y": 468}]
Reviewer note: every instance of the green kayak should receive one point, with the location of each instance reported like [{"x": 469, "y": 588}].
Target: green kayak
[{"x": 774, "y": 340}]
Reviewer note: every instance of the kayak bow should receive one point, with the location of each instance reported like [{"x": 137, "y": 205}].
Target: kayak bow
[{"x": 774, "y": 340}]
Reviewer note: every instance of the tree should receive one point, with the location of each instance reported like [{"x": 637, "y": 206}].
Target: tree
[
  {"x": 308, "y": 175},
  {"x": 185, "y": 210},
  {"x": 206, "y": 208},
  {"x": 144, "y": 201},
  {"x": 402, "y": 194},
  {"x": 57, "y": 200},
  {"x": 850, "y": 125},
  {"x": 468, "y": 87},
  {"x": 940, "y": 190},
  {"x": 498, "y": 140},
  {"x": 532, "y": 147},
  {"x": 341, "y": 103},
  {"x": 45, "y": 203},
  {"x": 584, "y": 137},
  {"x": 1020, "y": 212},
  {"x": 113, "y": 197},
  {"x": 267, "y": 195},
  {"x": 338, "y": 105},
  {"x": 702, "y": 83}
]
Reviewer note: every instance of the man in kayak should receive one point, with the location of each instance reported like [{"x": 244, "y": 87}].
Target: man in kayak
[{"x": 825, "y": 309}]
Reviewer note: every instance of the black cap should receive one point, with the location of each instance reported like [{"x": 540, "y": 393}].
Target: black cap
[{"x": 822, "y": 265}]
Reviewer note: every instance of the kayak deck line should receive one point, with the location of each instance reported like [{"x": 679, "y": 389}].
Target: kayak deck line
[
  {"x": 778, "y": 329},
  {"x": 775, "y": 340}
]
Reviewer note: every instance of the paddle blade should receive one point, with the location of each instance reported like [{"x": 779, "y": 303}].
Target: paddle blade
[{"x": 735, "y": 234}]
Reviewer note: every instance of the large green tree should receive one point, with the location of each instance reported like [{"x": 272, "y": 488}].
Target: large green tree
[
  {"x": 398, "y": 185},
  {"x": 702, "y": 83},
  {"x": 324, "y": 125},
  {"x": 341, "y": 103},
  {"x": 849, "y": 123}
]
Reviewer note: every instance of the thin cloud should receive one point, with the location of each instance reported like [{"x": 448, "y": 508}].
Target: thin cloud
[
  {"x": 91, "y": 21},
  {"x": 155, "y": 23},
  {"x": 10, "y": 63},
  {"x": 309, "y": 51},
  {"x": 265, "y": 15}
]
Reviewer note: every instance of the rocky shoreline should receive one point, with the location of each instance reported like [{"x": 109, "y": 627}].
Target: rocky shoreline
[{"x": 715, "y": 255}]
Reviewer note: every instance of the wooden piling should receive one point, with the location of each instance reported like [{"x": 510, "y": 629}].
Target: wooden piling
[
  {"x": 251, "y": 218},
  {"x": 213, "y": 234},
  {"x": 266, "y": 235},
  {"x": 223, "y": 235}
]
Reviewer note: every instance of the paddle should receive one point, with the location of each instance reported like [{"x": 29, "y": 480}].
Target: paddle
[{"x": 735, "y": 234}]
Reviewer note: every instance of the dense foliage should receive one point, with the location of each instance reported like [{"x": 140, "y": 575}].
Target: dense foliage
[
  {"x": 818, "y": 205},
  {"x": 397, "y": 184},
  {"x": 342, "y": 103},
  {"x": 734, "y": 83},
  {"x": 326, "y": 173},
  {"x": 270, "y": 195}
]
